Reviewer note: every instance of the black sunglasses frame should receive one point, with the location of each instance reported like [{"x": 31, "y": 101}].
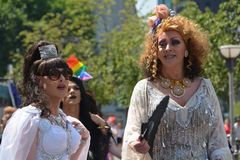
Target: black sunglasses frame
[{"x": 54, "y": 74}]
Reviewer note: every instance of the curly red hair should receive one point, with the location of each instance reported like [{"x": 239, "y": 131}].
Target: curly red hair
[{"x": 195, "y": 39}]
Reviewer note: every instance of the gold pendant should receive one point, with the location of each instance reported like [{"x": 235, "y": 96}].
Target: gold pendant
[
  {"x": 176, "y": 87},
  {"x": 177, "y": 91}
]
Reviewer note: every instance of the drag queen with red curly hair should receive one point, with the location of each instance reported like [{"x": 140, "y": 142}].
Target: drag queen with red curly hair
[{"x": 191, "y": 127}]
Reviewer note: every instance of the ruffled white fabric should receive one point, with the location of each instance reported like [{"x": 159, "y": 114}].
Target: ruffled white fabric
[
  {"x": 25, "y": 125},
  {"x": 19, "y": 134},
  {"x": 194, "y": 131}
]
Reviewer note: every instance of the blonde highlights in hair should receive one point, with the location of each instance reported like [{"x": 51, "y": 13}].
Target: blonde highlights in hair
[{"x": 195, "y": 39}]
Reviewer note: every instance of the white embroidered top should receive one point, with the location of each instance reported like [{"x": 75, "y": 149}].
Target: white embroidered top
[
  {"x": 54, "y": 142},
  {"x": 194, "y": 131}
]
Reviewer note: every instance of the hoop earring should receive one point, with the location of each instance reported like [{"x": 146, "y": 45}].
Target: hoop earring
[{"x": 186, "y": 53}]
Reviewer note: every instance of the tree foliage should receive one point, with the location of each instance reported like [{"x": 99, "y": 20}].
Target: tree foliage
[
  {"x": 70, "y": 24},
  {"x": 116, "y": 70},
  {"x": 111, "y": 50},
  {"x": 222, "y": 28},
  {"x": 14, "y": 13},
  {"x": 11, "y": 18}
]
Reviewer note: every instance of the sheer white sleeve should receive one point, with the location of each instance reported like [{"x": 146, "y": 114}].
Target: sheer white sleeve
[
  {"x": 137, "y": 114},
  {"x": 19, "y": 134},
  {"x": 218, "y": 145}
]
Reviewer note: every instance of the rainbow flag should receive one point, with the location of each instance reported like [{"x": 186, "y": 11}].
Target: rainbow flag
[
  {"x": 78, "y": 68},
  {"x": 85, "y": 76}
]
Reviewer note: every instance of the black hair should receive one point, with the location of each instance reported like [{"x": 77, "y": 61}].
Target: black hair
[{"x": 99, "y": 142}]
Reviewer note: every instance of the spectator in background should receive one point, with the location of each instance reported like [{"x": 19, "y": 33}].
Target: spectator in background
[
  {"x": 120, "y": 131},
  {"x": 236, "y": 128},
  {"x": 227, "y": 126},
  {"x": 111, "y": 120},
  {"x": 7, "y": 113},
  {"x": 114, "y": 150},
  {"x": 236, "y": 132}
]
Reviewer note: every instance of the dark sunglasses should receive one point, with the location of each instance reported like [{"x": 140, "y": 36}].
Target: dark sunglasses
[{"x": 54, "y": 74}]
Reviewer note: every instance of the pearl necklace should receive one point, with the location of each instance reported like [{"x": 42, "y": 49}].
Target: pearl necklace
[{"x": 177, "y": 87}]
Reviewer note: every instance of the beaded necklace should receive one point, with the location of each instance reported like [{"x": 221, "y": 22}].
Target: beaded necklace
[{"x": 58, "y": 120}]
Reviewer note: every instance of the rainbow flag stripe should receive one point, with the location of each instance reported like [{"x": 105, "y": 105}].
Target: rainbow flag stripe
[{"x": 78, "y": 68}]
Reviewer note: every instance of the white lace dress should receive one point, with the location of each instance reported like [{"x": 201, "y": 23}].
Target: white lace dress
[
  {"x": 192, "y": 132},
  {"x": 53, "y": 142}
]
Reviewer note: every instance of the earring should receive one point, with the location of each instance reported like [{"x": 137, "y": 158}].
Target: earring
[
  {"x": 186, "y": 53},
  {"x": 36, "y": 90},
  {"x": 189, "y": 65}
]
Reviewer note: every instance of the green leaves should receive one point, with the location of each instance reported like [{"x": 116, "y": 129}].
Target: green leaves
[
  {"x": 69, "y": 24},
  {"x": 222, "y": 29},
  {"x": 108, "y": 39},
  {"x": 116, "y": 68}
]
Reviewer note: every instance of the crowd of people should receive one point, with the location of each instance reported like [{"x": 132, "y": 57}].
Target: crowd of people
[{"x": 61, "y": 120}]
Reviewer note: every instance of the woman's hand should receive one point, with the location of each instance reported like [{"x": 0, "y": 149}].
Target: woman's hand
[
  {"x": 81, "y": 129},
  {"x": 141, "y": 146},
  {"x": 161, "y": 11},
  {"x": 84, "y": 133},
  {"x": 100, "y": 122},
  {"x": 97, "y": 119}
]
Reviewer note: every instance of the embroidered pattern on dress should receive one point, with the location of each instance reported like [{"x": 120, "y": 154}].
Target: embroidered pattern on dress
[
  {"x": 195, "y": 119},
  {"x": 44, "y": 126}
]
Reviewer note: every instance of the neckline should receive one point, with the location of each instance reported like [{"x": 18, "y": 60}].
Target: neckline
[{"x": 188, "y": 101}]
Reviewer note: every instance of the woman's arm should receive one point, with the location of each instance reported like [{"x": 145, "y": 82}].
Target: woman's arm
[
  {"x": 19, "y": 135},
  {"x": 132, "y": 147},
  {"x": 217, "y": 146},
  {"x": 82, "y": 151},
  {"x": 114, "y": 149},
  {"x": 33, "y": 152},
  {"x": 103, "y": 126}
]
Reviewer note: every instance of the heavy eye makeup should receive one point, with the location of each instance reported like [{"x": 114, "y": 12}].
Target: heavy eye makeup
[
  {"x": 175, "y": 42},
  {"x": 73, "y": 87},
  {"x": 163, "y": 43},
  {"x": 76, "y": 88}
]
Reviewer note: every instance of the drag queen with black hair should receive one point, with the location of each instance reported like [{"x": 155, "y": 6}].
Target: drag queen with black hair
[
  {"x": 81, "y": 104},
  {"x": 41, "y": 130}
]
